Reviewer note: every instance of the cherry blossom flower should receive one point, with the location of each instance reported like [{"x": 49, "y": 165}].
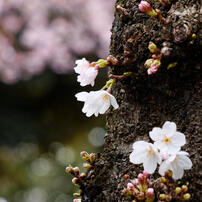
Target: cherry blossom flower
[
  {"x": 146, "y": 153},
  {"x": 96, "y": 102},
  {"x": 177, "y": 163},
  {"x": 87, "y": 73},
  {"x": 167, "y": 139}
]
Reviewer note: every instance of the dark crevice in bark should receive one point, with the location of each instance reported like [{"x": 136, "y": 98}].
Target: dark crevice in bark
[{"x": 148, "y": 101}]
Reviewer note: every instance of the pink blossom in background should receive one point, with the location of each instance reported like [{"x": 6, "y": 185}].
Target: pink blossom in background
[{"x": 36, "y": 34}]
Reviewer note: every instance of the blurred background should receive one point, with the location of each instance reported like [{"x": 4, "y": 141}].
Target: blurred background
[{"x": 42, "y": 128}]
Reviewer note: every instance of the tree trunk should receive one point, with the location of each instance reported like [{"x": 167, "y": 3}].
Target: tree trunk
[{"x": 147, "y": 101}]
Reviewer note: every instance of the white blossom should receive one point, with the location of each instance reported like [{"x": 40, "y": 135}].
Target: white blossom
[
  {"x": 146, "y": 153},
  {"x": 167, "y": 139},
  {"x": 96, "y": 102},
  {"x": 177, "y": 163},
  {"x": 87, "y": 73}
]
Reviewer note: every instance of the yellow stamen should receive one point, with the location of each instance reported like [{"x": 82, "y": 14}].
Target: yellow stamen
[
  {"x": 105, "y": 97},
  {"x": 150, "y": 151},
  {"x": 166, "y": 140}
]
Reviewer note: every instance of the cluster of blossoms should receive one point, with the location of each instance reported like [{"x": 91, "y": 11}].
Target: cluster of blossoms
[
  {"x": 154, "y": 63},
  {"x": 95, "y": 102},
  {"x": 139, "y": 188},
  {"x": 145, "y": 189},
  {"x": 165, "y": 151},
  {"x": 79, "y": 178},
  {"x": 60, "y": 30}
]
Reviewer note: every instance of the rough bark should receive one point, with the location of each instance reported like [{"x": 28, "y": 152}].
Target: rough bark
[{"x": 148, "y": 101}]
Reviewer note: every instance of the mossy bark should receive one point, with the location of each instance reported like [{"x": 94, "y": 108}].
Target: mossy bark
[{"x": 147, "y": 101}]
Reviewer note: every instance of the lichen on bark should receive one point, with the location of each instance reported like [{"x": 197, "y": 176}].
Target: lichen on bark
[{"x": 148, "y": 101}]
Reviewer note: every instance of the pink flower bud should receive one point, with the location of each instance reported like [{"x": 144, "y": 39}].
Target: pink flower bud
[
  {"x": 153, "y": 69},
  {"x": 97, "y": 67},
  {"x": 93, "y": 157},
  {"x": 108, "y": 90},
  {"x": 77, "y": 200},
  {"x": 136, "y": 181},
  {"x": 130, "y": 186},
  {"x": 140, "y": 178},
  {"x": 150, "y": 193},
  {"x": 85, "y": 156},
  {"x": 145, "y": 174},
  {"x": 145, "y": 7}
]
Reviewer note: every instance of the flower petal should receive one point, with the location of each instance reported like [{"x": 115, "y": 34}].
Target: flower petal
[
  {"x": 105, "y": 106},
  {"x": 150, "y": 164},
  {"x": 155, "y": 134},
  {"x": 178, "y": 139},
  {"x": 178, "y": 172},
  {"x": 137, "y": 158},
  {"x": 140, "y": 146},
  {"x": 184, "y": 162},
  {"x": 82, "y": 96},
  {"x": 172, "y": 149},
  {"x": 169, "y": 127},
  {"x": 114, "y": 102},
  {"x": 160, "y": 145}
]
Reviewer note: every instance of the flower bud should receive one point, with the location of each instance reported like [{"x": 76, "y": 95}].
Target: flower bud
[
  {"x": 69, "y": 169},
  {"x": 130, "y": 186},
  {"x": 162, "y": 196},
  {"x": 145, "y": 7},
  {"x": 150, "y": 193},
  {"x": 87, "y": 166},
  {"x": 168, "y": 197},
  {"x": 140, "y": 196},
  {"x": 193, "y": 36},
  {"x": 157, "y": 62},
  {"x": 171, "y": 65},
  {"x": 102, "y": 63},
  {"x": 184, "y": 188},
  {"x": 169, "y": 173},
  {"x": 187, "y": 196},
  {"x": 178, "y": 190},
  {"x": 77, "y": 200},
  {"x": 127, "y": 73},
  {"x": 85, "y": 156},
  {"x": 163, "y": 180},
  {"x": 75, "y": 181},
  {"x": 82, "y": 175},
  {"x": 148, "y": 63},
  {"x": 153, "y": 69},
  {"x": 140, "y": 178},
  {"x": 93, "y": 157},
  {"x": 152, "y": 47},
  {"x": 126, "y": 176},
  {"x": 76, "y": 194},
  {"x": 76, "y": 170},
  {"x": 145, "y": 174}
]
